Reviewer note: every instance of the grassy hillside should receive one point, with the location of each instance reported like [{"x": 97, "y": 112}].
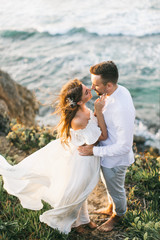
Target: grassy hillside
[{"x": 142, "y": 220}]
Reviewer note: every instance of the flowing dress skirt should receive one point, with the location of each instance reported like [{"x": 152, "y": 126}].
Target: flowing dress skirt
[{"x": 60, "y": 177}]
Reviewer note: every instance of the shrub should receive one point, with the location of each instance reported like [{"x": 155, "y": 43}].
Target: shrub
[
  {"x": 26, "y": 138},
  {"x": 142, "y": 221}
]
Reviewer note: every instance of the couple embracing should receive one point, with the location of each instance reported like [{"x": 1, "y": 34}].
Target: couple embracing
[{"x": 65, "y": 171}]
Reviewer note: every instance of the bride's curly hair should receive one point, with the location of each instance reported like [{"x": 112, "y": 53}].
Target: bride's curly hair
[{"x": 67, "y": 107}]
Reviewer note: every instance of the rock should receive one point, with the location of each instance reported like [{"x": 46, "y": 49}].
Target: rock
[
  {"x": 139, "y": 143},
  {"x": 17, "y": 101},
  {"x": 7, "y": 149},
  {"x": 139, "y": 139},
  {"x": 4, "y": 119},
  {"x": 4, "y": 125},
  {"x": 3, "y": 108},
  {"x": 140, "y": 146}
]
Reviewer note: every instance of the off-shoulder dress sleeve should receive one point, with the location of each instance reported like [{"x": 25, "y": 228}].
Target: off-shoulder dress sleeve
[{"x": 89, "y": 135}]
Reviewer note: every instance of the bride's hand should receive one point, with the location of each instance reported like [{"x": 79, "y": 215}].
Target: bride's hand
[
  {"x": 99, "y": 104},
  {"x": 94, "y": 113}
]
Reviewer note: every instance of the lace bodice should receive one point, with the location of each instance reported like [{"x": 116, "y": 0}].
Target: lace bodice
[{"x": 89, "y": 135}]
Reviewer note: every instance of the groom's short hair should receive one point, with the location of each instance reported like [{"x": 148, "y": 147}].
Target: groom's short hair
[{"x": 108, "y": 71}]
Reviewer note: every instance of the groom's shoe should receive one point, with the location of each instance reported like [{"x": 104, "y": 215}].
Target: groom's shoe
[
  {"x": 106, "y": 211},
  {"x": 109, "y": 224}
]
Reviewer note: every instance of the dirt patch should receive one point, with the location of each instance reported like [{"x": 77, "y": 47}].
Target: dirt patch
[{"x": 98, "y": 199}]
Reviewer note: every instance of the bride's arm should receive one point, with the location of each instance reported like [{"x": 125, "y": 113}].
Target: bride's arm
[
  {"x": 88, "y": 150},
  {"x": 99, "y": 104}
]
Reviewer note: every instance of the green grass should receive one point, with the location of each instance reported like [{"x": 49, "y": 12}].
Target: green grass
[
  {"x": 19, "y": 223},
  {"x": 142, "y": 220}
]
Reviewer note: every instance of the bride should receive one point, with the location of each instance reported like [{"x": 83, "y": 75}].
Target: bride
[{"x": 56, "y": 173}]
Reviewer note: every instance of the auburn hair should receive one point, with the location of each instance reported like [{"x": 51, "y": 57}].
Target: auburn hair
[{"x": 67, "y": 107}]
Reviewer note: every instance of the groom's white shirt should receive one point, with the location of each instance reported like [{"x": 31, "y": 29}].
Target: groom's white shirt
[{"x": 119, "y": 115}]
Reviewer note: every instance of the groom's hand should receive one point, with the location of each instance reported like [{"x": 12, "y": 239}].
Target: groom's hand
[{"x": 86, "y": 150}]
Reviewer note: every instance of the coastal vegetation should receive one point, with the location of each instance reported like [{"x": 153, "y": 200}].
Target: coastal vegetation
[
  {"x": 142, "y": 220},
  {"x": 30, "y": 138}
]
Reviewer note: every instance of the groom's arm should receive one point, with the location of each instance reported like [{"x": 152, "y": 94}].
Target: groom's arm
[{"x": 124, "y": 124}]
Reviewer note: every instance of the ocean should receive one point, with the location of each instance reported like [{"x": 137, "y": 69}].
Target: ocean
[{"x": 44, "y": 43}]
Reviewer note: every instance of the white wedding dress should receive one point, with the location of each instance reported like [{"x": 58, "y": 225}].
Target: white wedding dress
[{"x": 59, "y": 176}]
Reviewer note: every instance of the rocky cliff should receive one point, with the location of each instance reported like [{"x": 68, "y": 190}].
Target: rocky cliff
[{"x": 16, "y": 101}]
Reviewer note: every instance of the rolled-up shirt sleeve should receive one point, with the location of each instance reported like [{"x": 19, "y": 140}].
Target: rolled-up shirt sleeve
[{"x": 123, "y": 122}]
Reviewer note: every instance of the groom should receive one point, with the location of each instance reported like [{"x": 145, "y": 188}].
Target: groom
[{"x": 115, "y": 152}]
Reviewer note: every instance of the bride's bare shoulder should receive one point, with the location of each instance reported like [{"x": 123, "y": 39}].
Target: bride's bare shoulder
[
  {"x": 80, "y": 120},
  {"x": 76, "y": 123}
]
